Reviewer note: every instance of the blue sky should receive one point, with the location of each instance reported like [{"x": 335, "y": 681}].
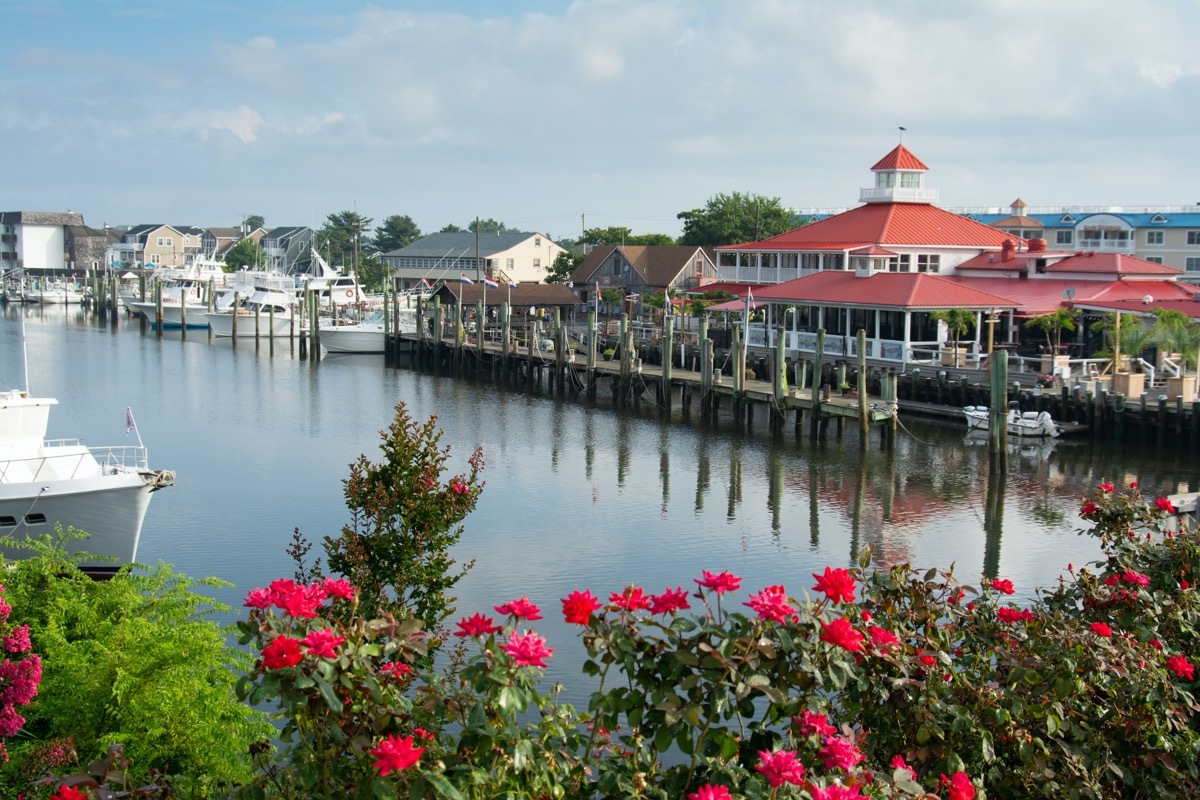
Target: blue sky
[{"x": 617, "y": 112}]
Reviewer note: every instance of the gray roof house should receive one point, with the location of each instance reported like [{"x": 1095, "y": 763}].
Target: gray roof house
[{"x": 519, "y": 257}]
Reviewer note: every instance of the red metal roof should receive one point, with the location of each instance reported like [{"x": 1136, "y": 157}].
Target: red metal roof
[
  {"x": 900, "y": 158},
  {"x": 883, "y": 289},
  {"x": 872, "y": 250},
  {"x": 1189, "y": 307},
  {"x": 1068, "y": 262},
  {"x": 1042, "y": 296},
  {"x": 897, "y": 224}
]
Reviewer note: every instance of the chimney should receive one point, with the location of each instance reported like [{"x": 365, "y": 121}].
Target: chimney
[{"x": 1006, "y": 250}]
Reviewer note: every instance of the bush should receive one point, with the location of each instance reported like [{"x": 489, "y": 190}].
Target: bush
[{"x": 133, "y": 661}]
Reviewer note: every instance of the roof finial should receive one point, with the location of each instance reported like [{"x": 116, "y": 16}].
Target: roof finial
[{"x": 902, "y": 130}]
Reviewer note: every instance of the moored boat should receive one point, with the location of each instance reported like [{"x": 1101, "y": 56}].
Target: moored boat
[
  {"x": 103, "y": 491},
  {"x": 1030, "y": 424}
]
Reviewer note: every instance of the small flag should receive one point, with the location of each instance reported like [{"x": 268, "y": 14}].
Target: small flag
[
  {"x": 512, "y": 284},
  {"x": 463, "y": 277},
  {"x": 491, "y": 284},
  {"x": 425, "y": 283},
  {"x": 129, "y": 423}
]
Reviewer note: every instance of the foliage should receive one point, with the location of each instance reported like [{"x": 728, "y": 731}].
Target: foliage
[
  {"x": 488, "y": 225},
  {"x": 698, "y": 305},
  {"x": 133, "y": 660},
  {"x": 253, "y": 222},
  {"x": 404, "y": 520},
  {"x": 372, "y": 274},
  {"x": 246, "y": 254},
  {"x": 735, "y": 218},
  {"x": 112, "y": 776},
  {"x": 396, "y": 232},
  {"x": 564, "y": 264},
  {"x": 1135, "y": 335},
  {"x": 1053, "y": 324},
  {"x": 1176, "y": 332},
  {"x": 342, "y": 236},
  {"x": 20, "y": 674},
  {"x": 620, "y": 235},
  {"x": 612, "y": 298}
]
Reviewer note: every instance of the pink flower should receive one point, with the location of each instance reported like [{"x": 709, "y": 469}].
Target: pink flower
[
  {"x": 1088, "y": 508},
  {"x": 883, "y": 640},
  {"x": 719, "y": 582},
  {"x": 836, "y": 792},
  {"x": 632, "y": 599},
  {"x": 17, "y": 640},
  {"x": 1106, "y": 487},
  {"x": 1165, "y": 504},
  {"x": 322, "y": 643},
  {"x": 340, "y": 588},
  {"x": 1184, "y": 585},
  {"x": 841, "y": 633},
  {"x": 836, "y": 584},
  {"x": 1156, "y": 644},
  {"x": 898, "y": 763},
  {"x": 282, "y": 652},
  {"x": 395, "y": 754},
  {"x": 301, "y": 602},
  {"x": 1133, "y": 484},
  {"x": 68, "y": 793},
  {"x": 259, "y": 598},
  {"x": 477, "y": 625},
  {"x": 780, "y": 768},
  {"x": 710, "y": 792},
  {"x": 1102, "y": 629},
  {"x": 960, "y": 787},
  {"x": 1181, "y": 667},
  {"x": 521, "y": 609},
  {"x": 813, "y": 723},
  {"x": 527, "y": 649},
  {"x": 578, "y": 607},
  {"x": 771, "y": 603},
  {"x": 1010, "y": 614},
  {"x": 670, "y": 601},
  {"x": 840, "y": 753},
  {"x": 1003, "y": 585},
  {"x": 927, "y": 659},
  {"x": 458, "y": 487}
]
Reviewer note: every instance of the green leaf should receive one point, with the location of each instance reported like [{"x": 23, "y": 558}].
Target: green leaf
[
  {"x": 327, "y": 693},
  {"x": 687, "y": 658},
  {"x": 444, "y": 787}
]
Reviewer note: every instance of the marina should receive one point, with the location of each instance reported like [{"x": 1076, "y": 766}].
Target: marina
[{"x": 580, "y": 494}]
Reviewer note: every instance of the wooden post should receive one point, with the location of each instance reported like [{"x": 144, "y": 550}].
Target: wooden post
[
  {"x": 864, "y": 409},
  {"x": 779, "y": 384},
  {"x": 818, "y": 385},
  {"x": 626, "y": 356},
  {"x": 998, "y": 416},
  {"x": 480, "y": 328},
  {"x": 667, "y": 342},
  {"x": 233, "y": 321},
  {"x": 158, "y": 308}
]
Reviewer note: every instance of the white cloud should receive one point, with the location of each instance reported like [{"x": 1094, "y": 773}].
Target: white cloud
[{"x": 243, "y": 123}]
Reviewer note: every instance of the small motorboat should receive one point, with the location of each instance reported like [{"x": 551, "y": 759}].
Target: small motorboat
[{"x": 1030, "y": 424}]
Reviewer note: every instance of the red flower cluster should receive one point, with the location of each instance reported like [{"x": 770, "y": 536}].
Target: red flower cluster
[
  {"x": 282, "y": 652},
  {"x": 1010, "y": 614},
  {"x": 836, "y": 584},
  {"x": 840, "y": 753},
  {"x": 521, "y": 609},
  {"x": 527, "y": 649},
  {"x": 395, "y": 754},
  {"x": 719, "y": 582},
  {"x": 780, "y": 767},
  {"x": 477, "y": 625},
  {"x": 632, "y": 599},
  {"x": 710, "y": 792},
  {"x": 1003, "y": 585},
  {"x": 812, "y": 723},
  {"x": 1165, "y": 504},
  {"x": 68, "y": 793},
  {"x": 841, "y": 633},
  {"x": 960, "y": 787},
  {"x": 1102, "y": 629},
  {"x": 1182, "y": 667},
  {"x": 882, "y": 639},
  {"x": 578, "y": 607},
  {"x": 670, "y": 601},
  {"x": 298, "y": 600},
  {"x": 772, "y": 603}
]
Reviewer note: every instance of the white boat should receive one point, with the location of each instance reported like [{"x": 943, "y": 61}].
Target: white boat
[
  {"x": 1030, "y": 424},
  {"x": 256, "y": 315},
  {"x": 103, "y": 491},
  {"x": 367, "y": 336},
  {"x": 56, "y": 294}
]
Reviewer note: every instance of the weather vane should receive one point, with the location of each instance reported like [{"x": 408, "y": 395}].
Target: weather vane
[{"x": 902, "y": 130}]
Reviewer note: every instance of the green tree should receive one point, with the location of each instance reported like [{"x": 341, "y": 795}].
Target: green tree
[
  {"x": 341, "y": 238},
  {"x": 1176, "y": 332},
  {"x": 564, "y": 264},
  {"x": 452, "y": 228},
  {"x": 246, "y": 254},
  {"x": 372, "y": 274},
  {"x": 620, "y": 236},
  {"x": 136, "y": 660},
  {"x": 611, "y": 297},
  {"x": 488, "y": 225},
  {"x": 253, "y": 222},
  {"x": 735, "y": 218},
  {"x": 404, "y": 520},
  {"x": 396, "y": 232}
]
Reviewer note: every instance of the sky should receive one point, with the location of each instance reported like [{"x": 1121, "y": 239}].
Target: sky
[{"x": 551, "y": 116}]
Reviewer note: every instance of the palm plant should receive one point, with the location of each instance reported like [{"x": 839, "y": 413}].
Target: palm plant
[
  {"x": 1053, "y": 324},
  {"x": 957, "y": 321}
]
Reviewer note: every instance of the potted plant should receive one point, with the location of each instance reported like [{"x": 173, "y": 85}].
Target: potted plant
[
  {"x": 1175, "y": 331},
  {"x": 1052, "y": 325},
  {"x": 957, "y": 321},
  {"x": 1126, "y": 336}
]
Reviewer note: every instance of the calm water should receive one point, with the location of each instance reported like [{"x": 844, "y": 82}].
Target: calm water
[{"x": 576, "y": 497}]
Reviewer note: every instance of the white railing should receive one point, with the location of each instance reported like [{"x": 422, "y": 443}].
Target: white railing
[
  {"x": 902, "y": 193},
  {"x": 1106, "y": 245}
]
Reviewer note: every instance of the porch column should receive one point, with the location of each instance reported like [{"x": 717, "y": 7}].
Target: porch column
[{"x": 907, "y": 338}]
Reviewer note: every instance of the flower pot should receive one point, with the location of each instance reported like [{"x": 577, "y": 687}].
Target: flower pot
[
  {"x": 954, "y": 356},
  {"x": 1130, "y": 384},
  {"x": 1184, "y": 387}
]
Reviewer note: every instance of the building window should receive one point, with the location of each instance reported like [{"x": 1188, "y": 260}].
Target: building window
[
  {"x": 1192, "y": 264},
  {"x": 537, "y": 263},
  {"x": 170, "y": 242},
  {"x": 1064, "y": 237},
  {"x": 885, "y": 180},
  {"x": 537, "y": 241},
  {"x": 910, "y": 180},
  {"x": 900, "y": 263},
  {"x": 1193, "y": 237},
  {"x": 1154, "y": 237},
  {"x": 929, "y": 263},
  {"x": 160, "y": 241},
  {"x": 508, "y": 264},
  {"x": 1155, "y": 259}
]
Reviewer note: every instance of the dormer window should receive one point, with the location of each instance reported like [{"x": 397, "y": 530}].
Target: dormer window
[
  {"x": 1158, "y": 219},
  {"x": 1067, "y": 219}
]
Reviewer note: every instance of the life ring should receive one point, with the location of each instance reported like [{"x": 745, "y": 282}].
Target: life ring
[{"x": 349, "y": 293}]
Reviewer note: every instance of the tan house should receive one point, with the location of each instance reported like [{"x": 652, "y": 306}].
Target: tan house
[
  {"x": 517, "y": 257},
  {"x": 157, "y": 246}
]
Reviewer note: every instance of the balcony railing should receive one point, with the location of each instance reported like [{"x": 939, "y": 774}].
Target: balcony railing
[
  {"x": 1106, "y": 245},
  {"x": 898, "y": 194}
]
